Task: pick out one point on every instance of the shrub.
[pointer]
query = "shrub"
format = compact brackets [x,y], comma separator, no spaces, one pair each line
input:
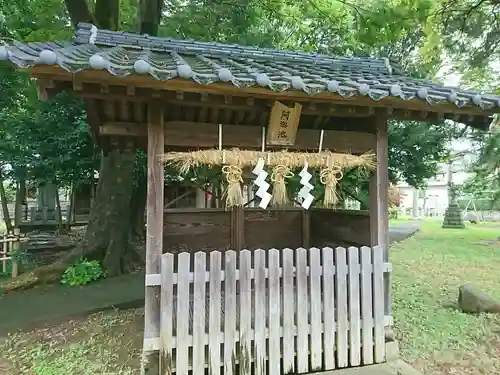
[24,261]
[393,213]
[83,272]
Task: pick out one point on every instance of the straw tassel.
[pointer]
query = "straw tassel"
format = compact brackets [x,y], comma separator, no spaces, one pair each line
[330,165]
[280,172]
[234,194]
[330,177]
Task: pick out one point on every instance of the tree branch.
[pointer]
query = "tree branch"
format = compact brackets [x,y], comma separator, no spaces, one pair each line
[79,11]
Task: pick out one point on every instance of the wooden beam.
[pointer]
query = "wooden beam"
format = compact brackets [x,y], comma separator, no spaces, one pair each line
[379,184]
[306,229]
[323,109]
[379,206]
[180,84]
[154,224]
[220,102]
[206,135]
[237,228]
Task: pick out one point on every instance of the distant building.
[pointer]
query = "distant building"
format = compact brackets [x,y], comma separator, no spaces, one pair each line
[433,199]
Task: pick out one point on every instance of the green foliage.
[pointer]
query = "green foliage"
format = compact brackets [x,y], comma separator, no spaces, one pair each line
[325,26]
[50,142]
[10,191]
[34,20]
[469,29]
[393,213]
[415,150]
[83,272]
[485,182]
[52,361]
[41,141]
[54,140]
[479,204]
[24,261]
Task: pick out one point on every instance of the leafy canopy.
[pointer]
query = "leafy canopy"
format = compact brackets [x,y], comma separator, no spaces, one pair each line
[55,145]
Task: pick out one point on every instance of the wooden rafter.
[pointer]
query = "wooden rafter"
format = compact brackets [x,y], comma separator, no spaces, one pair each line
[205,135]
[417,109]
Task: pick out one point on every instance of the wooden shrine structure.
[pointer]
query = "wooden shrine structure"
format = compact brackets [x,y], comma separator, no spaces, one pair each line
[169,95]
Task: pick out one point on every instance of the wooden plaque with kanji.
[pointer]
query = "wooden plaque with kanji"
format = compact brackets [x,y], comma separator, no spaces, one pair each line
[283,124]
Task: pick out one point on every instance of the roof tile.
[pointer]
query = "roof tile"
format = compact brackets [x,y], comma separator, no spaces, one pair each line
[123,54]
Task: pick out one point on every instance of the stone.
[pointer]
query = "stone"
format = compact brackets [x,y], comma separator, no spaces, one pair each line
[391,351]
[453,217]
[474,301]
[389,334]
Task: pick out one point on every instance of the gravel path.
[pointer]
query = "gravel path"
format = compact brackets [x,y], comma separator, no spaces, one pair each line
[401,231]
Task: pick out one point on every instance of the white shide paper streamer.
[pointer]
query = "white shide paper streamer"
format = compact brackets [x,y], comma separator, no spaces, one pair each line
[263,185]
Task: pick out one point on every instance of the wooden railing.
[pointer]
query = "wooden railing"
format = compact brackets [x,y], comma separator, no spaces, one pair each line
[274,312]
[45,217]
[9,245]
[31,215]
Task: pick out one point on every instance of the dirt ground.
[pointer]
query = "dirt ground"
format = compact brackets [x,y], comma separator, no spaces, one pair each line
[434,338]
[103,344]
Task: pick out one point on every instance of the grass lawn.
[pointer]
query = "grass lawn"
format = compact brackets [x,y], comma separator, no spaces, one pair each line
[428,269]
[434,337]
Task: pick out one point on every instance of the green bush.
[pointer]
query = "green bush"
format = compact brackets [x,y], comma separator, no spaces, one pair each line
[24,261]
[393,213]
[83,272]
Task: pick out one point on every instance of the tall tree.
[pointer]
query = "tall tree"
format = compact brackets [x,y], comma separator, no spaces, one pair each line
[485,183]
[108,231]
[469,29]
[390,27]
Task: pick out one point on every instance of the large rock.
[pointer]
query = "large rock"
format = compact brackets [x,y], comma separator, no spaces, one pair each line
[473,300]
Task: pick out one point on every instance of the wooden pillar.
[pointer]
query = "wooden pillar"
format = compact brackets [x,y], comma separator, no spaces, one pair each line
[200,198]
[251,194]
[14,253]
[379,207]
[306,229]
[237,228]
[154,239]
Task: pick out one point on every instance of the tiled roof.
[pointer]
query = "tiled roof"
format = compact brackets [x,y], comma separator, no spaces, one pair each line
[122,54]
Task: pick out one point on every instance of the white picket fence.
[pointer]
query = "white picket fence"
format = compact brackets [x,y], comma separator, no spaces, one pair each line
[272,312]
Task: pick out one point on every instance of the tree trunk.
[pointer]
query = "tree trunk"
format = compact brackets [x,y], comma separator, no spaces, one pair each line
[59,212]
[5,207]
[79,11]
[107,237]
[107,233]
[138,208]
[20,201]
[150,15]
[107,14]
[70,216]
